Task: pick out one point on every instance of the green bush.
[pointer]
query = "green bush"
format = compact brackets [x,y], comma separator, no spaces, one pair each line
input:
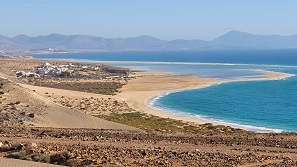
[60,159]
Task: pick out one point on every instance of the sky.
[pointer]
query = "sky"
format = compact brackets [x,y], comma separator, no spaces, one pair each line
[164,19]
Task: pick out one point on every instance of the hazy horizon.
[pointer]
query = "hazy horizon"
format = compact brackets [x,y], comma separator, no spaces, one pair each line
[148,35]
[192,19]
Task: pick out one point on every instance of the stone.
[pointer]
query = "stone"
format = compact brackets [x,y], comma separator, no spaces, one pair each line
[82,106]
[31,115]
[33,144]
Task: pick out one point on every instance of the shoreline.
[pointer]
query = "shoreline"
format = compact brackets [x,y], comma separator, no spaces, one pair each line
[188,117]
[150,85]
[159,62]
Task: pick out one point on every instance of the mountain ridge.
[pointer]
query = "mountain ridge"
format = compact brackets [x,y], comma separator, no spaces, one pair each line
[230,40]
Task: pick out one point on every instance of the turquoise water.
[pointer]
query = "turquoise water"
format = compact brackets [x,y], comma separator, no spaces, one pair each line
[240,104]
[254,105]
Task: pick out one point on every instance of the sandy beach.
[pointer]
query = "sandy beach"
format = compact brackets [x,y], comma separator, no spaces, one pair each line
[149,85]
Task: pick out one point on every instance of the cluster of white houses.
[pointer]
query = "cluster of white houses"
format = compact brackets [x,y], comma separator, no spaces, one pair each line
[24,74]
[77,71]
[45,69]
[57,70]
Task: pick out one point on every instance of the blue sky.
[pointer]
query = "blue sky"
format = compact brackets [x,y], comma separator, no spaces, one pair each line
[165,19]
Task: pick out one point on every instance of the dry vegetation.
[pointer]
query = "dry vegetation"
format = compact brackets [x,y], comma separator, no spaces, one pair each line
[107,80]
[16,107]
[150,122]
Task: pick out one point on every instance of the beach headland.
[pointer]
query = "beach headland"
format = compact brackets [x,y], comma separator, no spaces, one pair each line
[148,86]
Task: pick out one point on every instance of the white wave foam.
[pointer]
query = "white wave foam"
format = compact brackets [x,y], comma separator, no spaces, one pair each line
[286,77]
[185,63]
[154,99]
[260,129]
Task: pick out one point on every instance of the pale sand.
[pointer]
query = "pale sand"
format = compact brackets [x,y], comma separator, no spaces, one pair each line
[9,162]
[146,86]
[60,117]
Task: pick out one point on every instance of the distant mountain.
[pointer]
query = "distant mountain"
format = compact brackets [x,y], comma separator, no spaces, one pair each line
[242,40]
[7,44]
[231,40]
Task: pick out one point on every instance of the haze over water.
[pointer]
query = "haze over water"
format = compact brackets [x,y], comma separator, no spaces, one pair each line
[256,105]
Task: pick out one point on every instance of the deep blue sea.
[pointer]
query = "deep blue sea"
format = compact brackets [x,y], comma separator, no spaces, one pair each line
[253,105]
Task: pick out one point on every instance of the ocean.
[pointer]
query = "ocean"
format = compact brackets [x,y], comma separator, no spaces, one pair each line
[254,105]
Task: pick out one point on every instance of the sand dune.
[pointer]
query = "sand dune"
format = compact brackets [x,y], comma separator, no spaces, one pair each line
[49,114]
[8,162]
[62,117]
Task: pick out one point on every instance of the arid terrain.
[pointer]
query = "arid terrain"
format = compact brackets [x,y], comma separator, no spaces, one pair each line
[79,147]
[73,128]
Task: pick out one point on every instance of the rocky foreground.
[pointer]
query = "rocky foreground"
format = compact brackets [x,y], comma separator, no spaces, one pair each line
[86,147]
